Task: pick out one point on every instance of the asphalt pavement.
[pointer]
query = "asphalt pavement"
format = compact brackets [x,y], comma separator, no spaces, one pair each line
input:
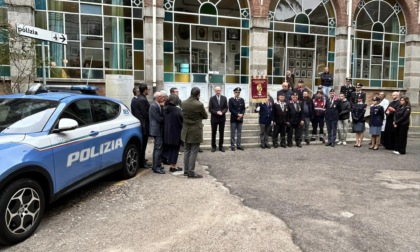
[154,212]
[333,199]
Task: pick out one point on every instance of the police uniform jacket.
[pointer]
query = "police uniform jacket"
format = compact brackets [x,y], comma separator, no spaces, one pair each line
[331,110]
[295,114]
[214,107]
[356,95]
[236,106]
[347,91]
[281,113]
[376,115]
[358,112]
[266,112]
[402,115]
[345,109]
[193,113]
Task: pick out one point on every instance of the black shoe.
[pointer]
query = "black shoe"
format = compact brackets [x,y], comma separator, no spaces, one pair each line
[240,148]
[262,146]
[195,175]
[299,145]
[222,149]
[275,146]
[232,148]
[322,140]
[200,150]
[289,145]
[333,145]
[165,161]
[267,146]
[313,138]
[307,142]
[213,149]
[158,171]
[146,166]
[185,174]
[327,144]
[175,169]
[283,145]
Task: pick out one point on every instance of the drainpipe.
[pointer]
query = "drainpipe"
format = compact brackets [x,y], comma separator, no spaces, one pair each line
[154,46]
[349,24]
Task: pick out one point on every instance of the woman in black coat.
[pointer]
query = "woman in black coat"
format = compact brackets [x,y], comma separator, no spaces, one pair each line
[358,116]
[172,131]
[401,124]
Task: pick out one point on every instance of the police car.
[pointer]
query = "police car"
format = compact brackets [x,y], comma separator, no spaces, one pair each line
[54,142]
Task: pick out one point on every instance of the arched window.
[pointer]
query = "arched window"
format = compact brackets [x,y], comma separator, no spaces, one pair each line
[301,39]
[378,56]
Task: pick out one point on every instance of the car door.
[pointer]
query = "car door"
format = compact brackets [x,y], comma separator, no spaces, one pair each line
[106,115]
[76,152]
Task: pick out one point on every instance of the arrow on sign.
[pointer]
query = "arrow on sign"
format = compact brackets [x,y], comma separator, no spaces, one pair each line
[62,38]
[55,36]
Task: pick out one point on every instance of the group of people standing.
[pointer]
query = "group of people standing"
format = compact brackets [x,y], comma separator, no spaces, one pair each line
[294,110]
[170,126]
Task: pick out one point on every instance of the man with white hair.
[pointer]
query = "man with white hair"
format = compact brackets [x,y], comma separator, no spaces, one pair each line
[156,130]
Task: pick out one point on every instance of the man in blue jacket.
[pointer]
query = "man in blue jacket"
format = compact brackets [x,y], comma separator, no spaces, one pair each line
[265,110]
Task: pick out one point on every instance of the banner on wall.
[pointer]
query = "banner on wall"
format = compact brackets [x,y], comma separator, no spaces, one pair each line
[259,89]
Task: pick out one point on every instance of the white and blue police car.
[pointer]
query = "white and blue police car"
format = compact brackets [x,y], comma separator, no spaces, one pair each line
[54,142]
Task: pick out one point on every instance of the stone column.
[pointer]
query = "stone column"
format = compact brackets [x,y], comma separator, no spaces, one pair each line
[411,68]
[340,62]
[148,46]
[258,49]
[258,45]
[22,69]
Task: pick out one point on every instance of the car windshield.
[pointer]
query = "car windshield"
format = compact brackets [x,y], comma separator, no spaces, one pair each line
[23,115]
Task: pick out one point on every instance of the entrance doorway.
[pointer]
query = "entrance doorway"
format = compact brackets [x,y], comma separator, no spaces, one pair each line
[301,63]
[208,65]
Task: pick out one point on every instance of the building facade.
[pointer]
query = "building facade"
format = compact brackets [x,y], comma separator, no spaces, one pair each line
[185,43]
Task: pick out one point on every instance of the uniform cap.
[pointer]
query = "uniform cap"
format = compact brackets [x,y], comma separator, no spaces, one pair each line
[359,85]
[376,98]
[348,79]
[332,90]
[238,89]
[300,81]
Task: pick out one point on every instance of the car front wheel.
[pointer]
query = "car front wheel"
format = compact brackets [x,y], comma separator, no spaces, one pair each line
[22,205]
[130,161]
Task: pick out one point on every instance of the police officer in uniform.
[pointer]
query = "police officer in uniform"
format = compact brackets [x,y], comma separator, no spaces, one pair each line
[357,94]
[237,112]
[347,89]
[331,118]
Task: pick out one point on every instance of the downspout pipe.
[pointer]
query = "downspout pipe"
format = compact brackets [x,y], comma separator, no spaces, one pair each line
[349,25]
[154,45]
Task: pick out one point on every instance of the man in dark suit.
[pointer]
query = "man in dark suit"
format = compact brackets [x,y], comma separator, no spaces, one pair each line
[296,121]
[140,109]
[285,91]
[156,131]
[347,89]
[331,118]
[265,110]
[218,107]
[300,89]
[192,131]
[280,120]
[237,111]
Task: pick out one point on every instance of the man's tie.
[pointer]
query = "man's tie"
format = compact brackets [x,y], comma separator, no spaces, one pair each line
[218,100]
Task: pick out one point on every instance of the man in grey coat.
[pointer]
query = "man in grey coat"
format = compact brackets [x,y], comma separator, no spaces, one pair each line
[192,130]
[156,130]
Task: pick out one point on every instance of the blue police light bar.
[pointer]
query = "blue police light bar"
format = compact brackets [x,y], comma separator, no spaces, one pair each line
[84,87]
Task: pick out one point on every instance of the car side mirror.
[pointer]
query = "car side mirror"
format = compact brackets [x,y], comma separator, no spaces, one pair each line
[66,124]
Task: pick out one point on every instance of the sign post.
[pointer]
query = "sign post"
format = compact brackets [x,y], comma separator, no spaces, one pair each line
[43,35]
